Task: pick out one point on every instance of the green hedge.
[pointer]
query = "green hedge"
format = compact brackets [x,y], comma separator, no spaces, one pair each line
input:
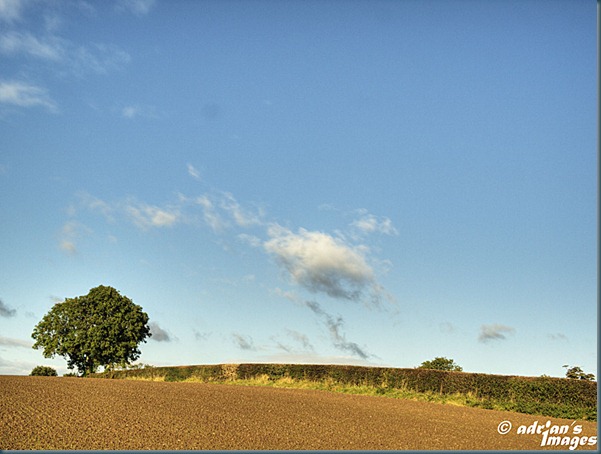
[548,396]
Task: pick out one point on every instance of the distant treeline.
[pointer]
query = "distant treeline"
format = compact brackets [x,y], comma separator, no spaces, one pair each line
[548,396]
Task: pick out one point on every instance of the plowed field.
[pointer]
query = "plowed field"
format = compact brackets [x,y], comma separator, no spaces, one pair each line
[70,413]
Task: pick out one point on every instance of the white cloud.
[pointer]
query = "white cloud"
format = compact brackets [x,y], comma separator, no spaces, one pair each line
[23,94]
[145,216]
[368,223]
[321,263]
[494,332]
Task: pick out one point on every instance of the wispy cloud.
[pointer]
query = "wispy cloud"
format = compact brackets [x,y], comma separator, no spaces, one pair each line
[321,263]
[62,55]
[146,216]
[201,336]
[241,216]
[6,311]
[68,246]
[137,7]
[77,59]
[251,240]
[9,342]
[15,367]
[13,43]
[210,215]
[369,223]
[95,204]
[10,10]
[301,341]
[139,111]
[96,58]
[193,171]
[446,327]
[300,338]
[220,211]
[24,94]
[334,326]
[557,337]
[243,342]
[70,232]
[158,333]
[494,332]
[129,111]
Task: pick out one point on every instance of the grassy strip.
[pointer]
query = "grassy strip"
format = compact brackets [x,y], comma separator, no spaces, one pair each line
[366,390]
[341,379]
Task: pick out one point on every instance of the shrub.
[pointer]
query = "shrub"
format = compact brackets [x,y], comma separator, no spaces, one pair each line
[44,371]
[441,363]
[578,374]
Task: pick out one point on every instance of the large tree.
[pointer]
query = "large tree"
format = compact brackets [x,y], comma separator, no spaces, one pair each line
[102,328]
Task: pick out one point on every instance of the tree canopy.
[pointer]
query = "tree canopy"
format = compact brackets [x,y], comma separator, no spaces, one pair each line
[102,328]
[441,363]
[44,371]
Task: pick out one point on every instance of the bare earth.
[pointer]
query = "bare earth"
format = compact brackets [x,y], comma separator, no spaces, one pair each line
[70,413]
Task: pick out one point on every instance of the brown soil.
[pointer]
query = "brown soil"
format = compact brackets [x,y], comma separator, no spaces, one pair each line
[85,414]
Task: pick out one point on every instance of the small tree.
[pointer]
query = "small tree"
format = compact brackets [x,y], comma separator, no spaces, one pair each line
[43,371]
[441,363]
[102,328]
[577,373]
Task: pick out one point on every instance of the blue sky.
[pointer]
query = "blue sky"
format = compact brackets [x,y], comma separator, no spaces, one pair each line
[359,182]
